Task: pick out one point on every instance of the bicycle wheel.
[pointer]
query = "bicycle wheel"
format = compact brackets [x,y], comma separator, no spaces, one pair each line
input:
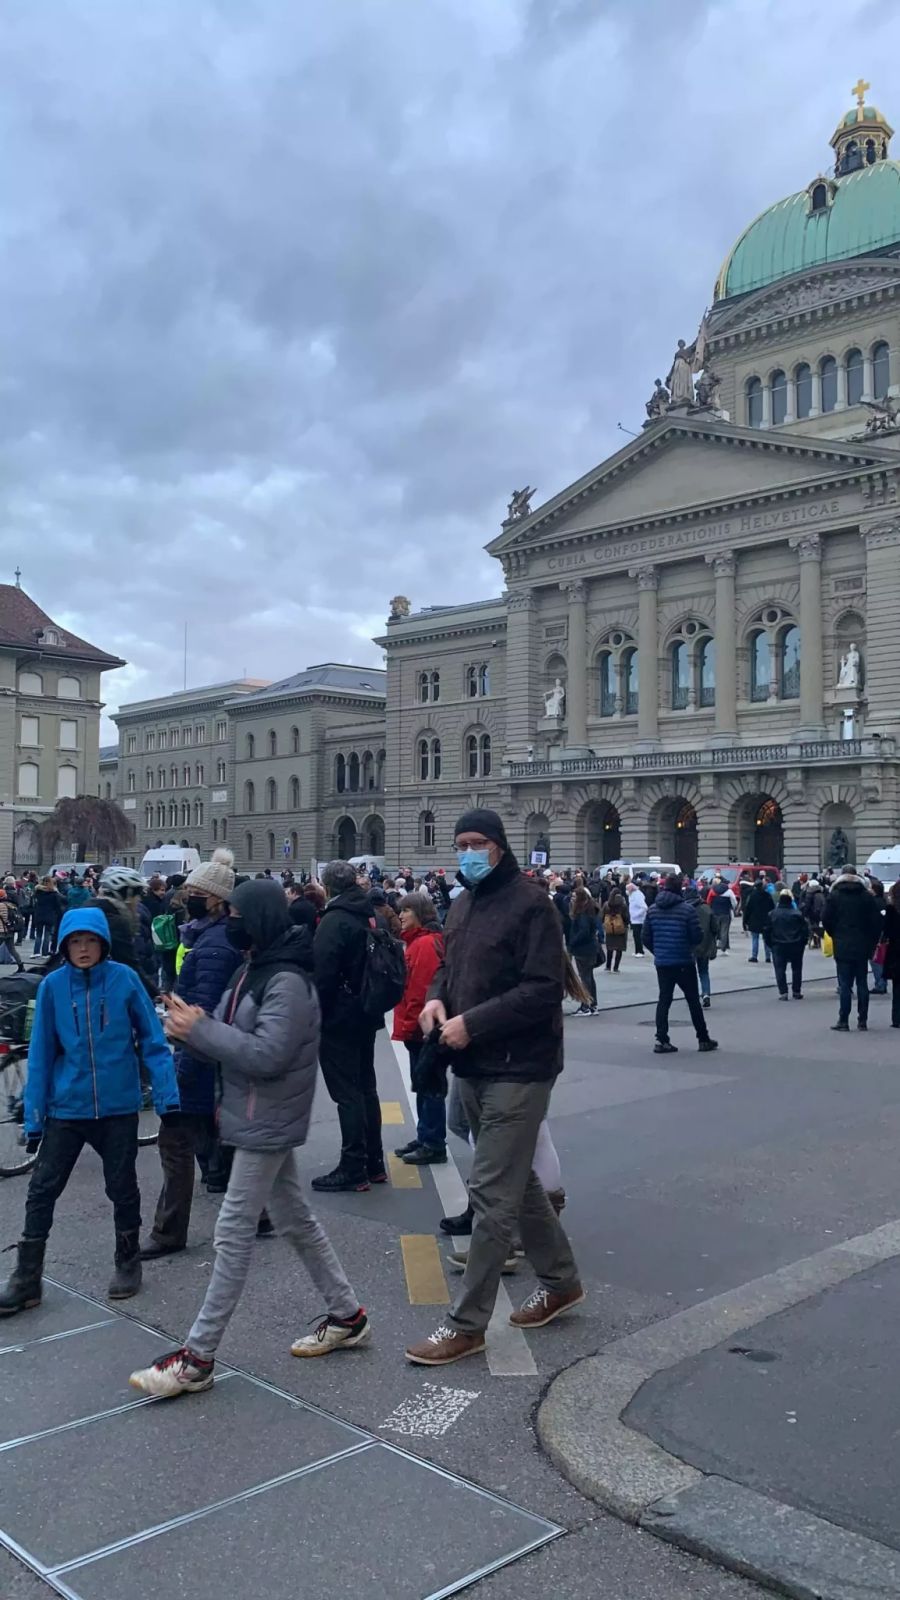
[13,1072]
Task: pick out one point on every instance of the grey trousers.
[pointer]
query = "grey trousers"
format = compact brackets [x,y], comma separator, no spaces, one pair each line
[505,1118]
[261,1179]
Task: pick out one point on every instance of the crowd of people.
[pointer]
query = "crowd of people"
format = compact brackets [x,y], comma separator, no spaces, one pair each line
[221,996]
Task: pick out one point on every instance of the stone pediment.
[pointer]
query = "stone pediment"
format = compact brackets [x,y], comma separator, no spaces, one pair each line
[808,291]
[683,466]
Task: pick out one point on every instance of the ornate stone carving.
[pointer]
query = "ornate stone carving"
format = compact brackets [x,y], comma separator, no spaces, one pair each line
[520,600]
[879,534]
[883,416]
[520,505]
[575,591]
[827,288]
[724,565]
[879,489]
[645,577]
[808,546]
[555,700]
[658,404]
[399,607]
[849,674]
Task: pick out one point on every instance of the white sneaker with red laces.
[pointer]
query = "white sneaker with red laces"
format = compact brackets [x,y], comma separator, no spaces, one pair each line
[180,1372]
[334,1333]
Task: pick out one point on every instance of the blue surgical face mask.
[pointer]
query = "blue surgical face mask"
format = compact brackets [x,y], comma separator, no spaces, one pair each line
[475,865]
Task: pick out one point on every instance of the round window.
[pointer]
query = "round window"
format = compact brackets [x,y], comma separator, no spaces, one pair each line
[618,638]
[771,615]
[690,628]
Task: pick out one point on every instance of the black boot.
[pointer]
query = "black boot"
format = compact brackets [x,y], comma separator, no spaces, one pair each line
[23,1286]
[459,1225]
[126,1280]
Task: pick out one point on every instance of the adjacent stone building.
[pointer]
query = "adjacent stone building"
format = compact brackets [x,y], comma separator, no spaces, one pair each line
[696,655]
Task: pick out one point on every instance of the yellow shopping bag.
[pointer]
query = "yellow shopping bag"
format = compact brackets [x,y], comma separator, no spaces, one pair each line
[828,944]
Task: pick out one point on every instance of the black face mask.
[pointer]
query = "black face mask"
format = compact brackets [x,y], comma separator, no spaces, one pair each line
[196,906]
[237,934]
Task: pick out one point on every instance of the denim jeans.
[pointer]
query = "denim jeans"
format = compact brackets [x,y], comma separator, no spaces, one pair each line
[260,1178]
[754,947]
[431,1110]
[703,975]
[848,973]
[115,1141]
[44,938]
[879,981]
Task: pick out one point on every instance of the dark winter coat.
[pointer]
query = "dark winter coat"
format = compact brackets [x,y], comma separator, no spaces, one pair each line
[339,950]
[757,909]
[205,971]
[504,973]
[787,929]
[890,930]
[708,948]
[853,918]
[46,910]
[302,913]
[145,951]
[265,1032]
[720,904]
[672,930]
[616,906]
[582,939]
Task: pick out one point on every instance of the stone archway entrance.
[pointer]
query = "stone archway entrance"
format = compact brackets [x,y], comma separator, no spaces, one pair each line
[673,833]
[372,837]
[537,836]
[598,834]
[760,831]
[345,838]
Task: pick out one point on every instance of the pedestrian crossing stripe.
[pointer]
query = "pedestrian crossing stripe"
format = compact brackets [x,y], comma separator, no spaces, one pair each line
[403,1176]
[392,1114]
[425,1281]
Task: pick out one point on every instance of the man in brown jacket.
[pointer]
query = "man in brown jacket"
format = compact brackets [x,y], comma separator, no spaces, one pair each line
[497,1000]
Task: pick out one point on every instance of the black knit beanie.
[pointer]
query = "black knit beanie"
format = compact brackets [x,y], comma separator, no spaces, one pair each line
[485,822]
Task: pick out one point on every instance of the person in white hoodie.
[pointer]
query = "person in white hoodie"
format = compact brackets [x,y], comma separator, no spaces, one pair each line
[637,915]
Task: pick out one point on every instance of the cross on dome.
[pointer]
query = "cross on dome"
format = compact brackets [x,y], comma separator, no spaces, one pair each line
[859,89]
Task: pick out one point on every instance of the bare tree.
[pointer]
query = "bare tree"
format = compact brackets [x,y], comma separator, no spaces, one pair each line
[94,825]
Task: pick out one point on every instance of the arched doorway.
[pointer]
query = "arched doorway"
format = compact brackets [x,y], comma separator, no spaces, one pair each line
[537,837]
[837,835]
[673,832]
[761,831]
[372,837]
[345,838]
[26,843]
[598,834]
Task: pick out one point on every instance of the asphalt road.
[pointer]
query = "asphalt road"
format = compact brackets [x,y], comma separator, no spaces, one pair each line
[685,1177]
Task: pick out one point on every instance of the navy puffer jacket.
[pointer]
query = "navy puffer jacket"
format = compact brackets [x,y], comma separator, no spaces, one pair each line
[204,975]
[672,930]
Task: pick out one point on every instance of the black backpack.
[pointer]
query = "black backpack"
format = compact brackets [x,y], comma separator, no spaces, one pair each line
[383,974]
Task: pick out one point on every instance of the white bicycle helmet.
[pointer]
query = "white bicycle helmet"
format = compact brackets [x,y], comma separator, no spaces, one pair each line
[121,882]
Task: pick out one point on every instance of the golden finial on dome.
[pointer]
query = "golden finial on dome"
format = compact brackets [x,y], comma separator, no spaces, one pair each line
[859,89]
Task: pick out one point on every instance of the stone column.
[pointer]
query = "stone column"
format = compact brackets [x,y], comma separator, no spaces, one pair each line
[881,658]
[809,551]
[868,378]
[790,414]
[766,405]
[648,656]
[815,409]
[724,567]
[841,402]
[521,686]
[576,662]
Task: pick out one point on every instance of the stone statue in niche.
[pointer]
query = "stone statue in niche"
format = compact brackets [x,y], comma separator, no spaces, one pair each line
[850,668]
[555,700]
[838,849]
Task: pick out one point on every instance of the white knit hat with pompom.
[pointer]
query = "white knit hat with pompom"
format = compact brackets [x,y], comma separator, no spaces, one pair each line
[215,876]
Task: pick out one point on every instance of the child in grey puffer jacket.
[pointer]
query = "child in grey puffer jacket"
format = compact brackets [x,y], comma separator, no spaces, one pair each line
[265,1038]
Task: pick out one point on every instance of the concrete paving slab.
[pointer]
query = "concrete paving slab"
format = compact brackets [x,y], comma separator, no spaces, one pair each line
[37,1389]
[59,1313]
[792,1552]
[377,1521]
[147,1465]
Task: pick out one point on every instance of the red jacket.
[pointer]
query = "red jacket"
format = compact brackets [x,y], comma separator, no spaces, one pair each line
[424,953]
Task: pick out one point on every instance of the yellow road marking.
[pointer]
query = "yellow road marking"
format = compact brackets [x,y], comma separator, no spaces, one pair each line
[425,1281]
[392,1114]
[402,1176]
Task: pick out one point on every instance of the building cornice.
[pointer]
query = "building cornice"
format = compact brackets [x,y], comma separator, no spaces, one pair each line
[310,697]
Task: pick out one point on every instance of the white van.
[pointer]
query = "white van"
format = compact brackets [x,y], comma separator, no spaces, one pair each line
[169,858]
[663,869]
[885,864]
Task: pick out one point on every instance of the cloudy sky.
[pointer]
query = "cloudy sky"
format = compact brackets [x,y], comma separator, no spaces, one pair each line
[294,294]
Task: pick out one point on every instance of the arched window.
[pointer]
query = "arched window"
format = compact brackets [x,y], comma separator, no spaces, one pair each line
[789,663]
[215,829]
[273,742]
[248,846]
[423,688]
[340,774]
[173,813]
[379,769]
[681,680]
[630,681]
[186,776]
[803,389]
[173,777]
[820,197]
[198,813]
[249,796]
[295,794]
[270,845]
[779,384]
[148,778]
[295,845]
[295,741]
[472,755]
[881,371]
[607,684]
[484,679]
[828,377]
[271,795]
[485,749]
[435,758]
[132,782]
[478,680]
[427,831]
[28,782]
[707,672]
[185,813]
[224,829]
[353,773]
[200,775]
[148,814]
[161,775]
[368,770]
[424,759]
[760,665]
[754,402]
[31,683]
[160,814]
[854,377]
[68,688]
[250,746]
[435,686]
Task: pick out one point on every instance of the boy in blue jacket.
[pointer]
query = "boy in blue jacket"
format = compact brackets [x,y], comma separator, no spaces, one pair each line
[93,1027]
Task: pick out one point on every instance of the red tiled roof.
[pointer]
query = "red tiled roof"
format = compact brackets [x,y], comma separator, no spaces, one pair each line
[21,620]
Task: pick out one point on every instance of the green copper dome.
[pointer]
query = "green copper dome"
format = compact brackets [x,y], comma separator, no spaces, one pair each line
[863,215]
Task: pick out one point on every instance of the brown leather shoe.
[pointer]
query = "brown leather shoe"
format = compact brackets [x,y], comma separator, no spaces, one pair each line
[443,1346]
[542,1306]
